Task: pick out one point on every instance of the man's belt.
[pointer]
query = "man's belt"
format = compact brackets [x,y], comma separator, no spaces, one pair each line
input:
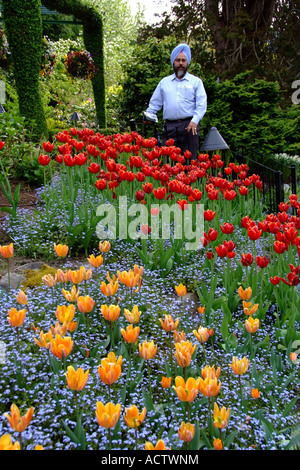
[179,120]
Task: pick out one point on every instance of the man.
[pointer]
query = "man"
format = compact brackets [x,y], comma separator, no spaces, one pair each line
[184,101]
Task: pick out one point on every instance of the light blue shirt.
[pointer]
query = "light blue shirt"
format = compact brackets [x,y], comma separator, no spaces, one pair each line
[180,98]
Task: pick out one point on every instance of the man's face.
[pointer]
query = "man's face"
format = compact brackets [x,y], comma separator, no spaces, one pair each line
[180,65]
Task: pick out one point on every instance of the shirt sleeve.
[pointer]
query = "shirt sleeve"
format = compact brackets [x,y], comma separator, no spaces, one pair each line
[201,103]
[156,101]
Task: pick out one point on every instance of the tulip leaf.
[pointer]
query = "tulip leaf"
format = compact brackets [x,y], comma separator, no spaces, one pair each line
[148,403]
[195,442]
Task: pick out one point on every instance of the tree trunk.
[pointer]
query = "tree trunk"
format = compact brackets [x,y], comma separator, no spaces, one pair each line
[238,30]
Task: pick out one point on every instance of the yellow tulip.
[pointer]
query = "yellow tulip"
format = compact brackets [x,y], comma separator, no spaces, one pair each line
[147,350]
[44,340]
[110,312]
[133,418]
[202,334]
[49,280]
[65,313]
[179,336]
[110,288]
[186,390]
[248,308]
[6,443]
[221,416]
[110,369]
[21,298]
[160,445]
[181,290]
[132,316]
[184,352]
[252,325]
[76,379]
[239,366]
[16,317]
[210,372]
[186,432]
[105,246]
[71,296]
[209,387]
[107,415]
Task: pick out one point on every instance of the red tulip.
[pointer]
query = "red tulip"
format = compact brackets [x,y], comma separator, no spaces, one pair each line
[262,261]
[209,215]
[101,184]
[159,193]
[227,228]
[247,259]
[44,160]
[254,233]
[94,168]
[222,251]
[48,147]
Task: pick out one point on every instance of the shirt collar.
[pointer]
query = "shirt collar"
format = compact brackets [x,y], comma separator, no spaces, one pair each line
[186,77]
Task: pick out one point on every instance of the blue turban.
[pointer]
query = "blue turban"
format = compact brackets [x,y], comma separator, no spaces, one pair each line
[181,48]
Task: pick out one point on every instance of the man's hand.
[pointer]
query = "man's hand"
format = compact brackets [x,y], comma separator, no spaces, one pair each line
[192,127]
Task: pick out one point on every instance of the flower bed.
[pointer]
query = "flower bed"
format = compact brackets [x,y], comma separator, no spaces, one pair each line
[214,370]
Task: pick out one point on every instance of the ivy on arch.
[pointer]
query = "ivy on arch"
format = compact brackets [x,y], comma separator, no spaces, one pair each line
[23,27]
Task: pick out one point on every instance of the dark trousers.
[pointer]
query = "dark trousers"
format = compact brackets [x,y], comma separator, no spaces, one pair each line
[176,130]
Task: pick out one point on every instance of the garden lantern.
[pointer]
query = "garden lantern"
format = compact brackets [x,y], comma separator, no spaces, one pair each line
[213,141]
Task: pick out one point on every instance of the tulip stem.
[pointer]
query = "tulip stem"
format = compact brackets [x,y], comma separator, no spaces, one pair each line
[109,439]
[148,366]
[8,272]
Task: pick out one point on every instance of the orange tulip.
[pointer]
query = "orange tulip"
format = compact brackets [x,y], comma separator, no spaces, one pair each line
[77,276]
[16,317]
[110,288]
[184,352]
[65,313]
[49,280]
[95,261]
[209,387]
[160,445]
[110,369]
[16,421]
[217,443]
[6,443]
[85,304]
[255,393]
[21,298]
[71,296]
[133,418]
[105,246]
[248,308]
[293,356]
[179,336]
[210,372]
[7,251]
[138,270]
[181,290]
[186,432]
[245,294]
[131,334]
[44,340]
[107,415]
[132,316]
[76,379]
[252,325]
[202,334]
[239,366]
[61,250]
[201,309]
[130,279]
[59,329]
[110,312]
[168,323]
[62,276]
[221,416]
[166,382]
[61,346]
[186,390]
[147,350]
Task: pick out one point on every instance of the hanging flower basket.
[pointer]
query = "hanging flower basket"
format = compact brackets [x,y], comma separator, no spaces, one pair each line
[4,50]
[79,64]
[48,57]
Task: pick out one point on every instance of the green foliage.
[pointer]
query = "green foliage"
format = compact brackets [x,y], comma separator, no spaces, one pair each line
[23,21]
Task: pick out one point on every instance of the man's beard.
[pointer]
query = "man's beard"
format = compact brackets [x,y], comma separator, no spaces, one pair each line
[180,72]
